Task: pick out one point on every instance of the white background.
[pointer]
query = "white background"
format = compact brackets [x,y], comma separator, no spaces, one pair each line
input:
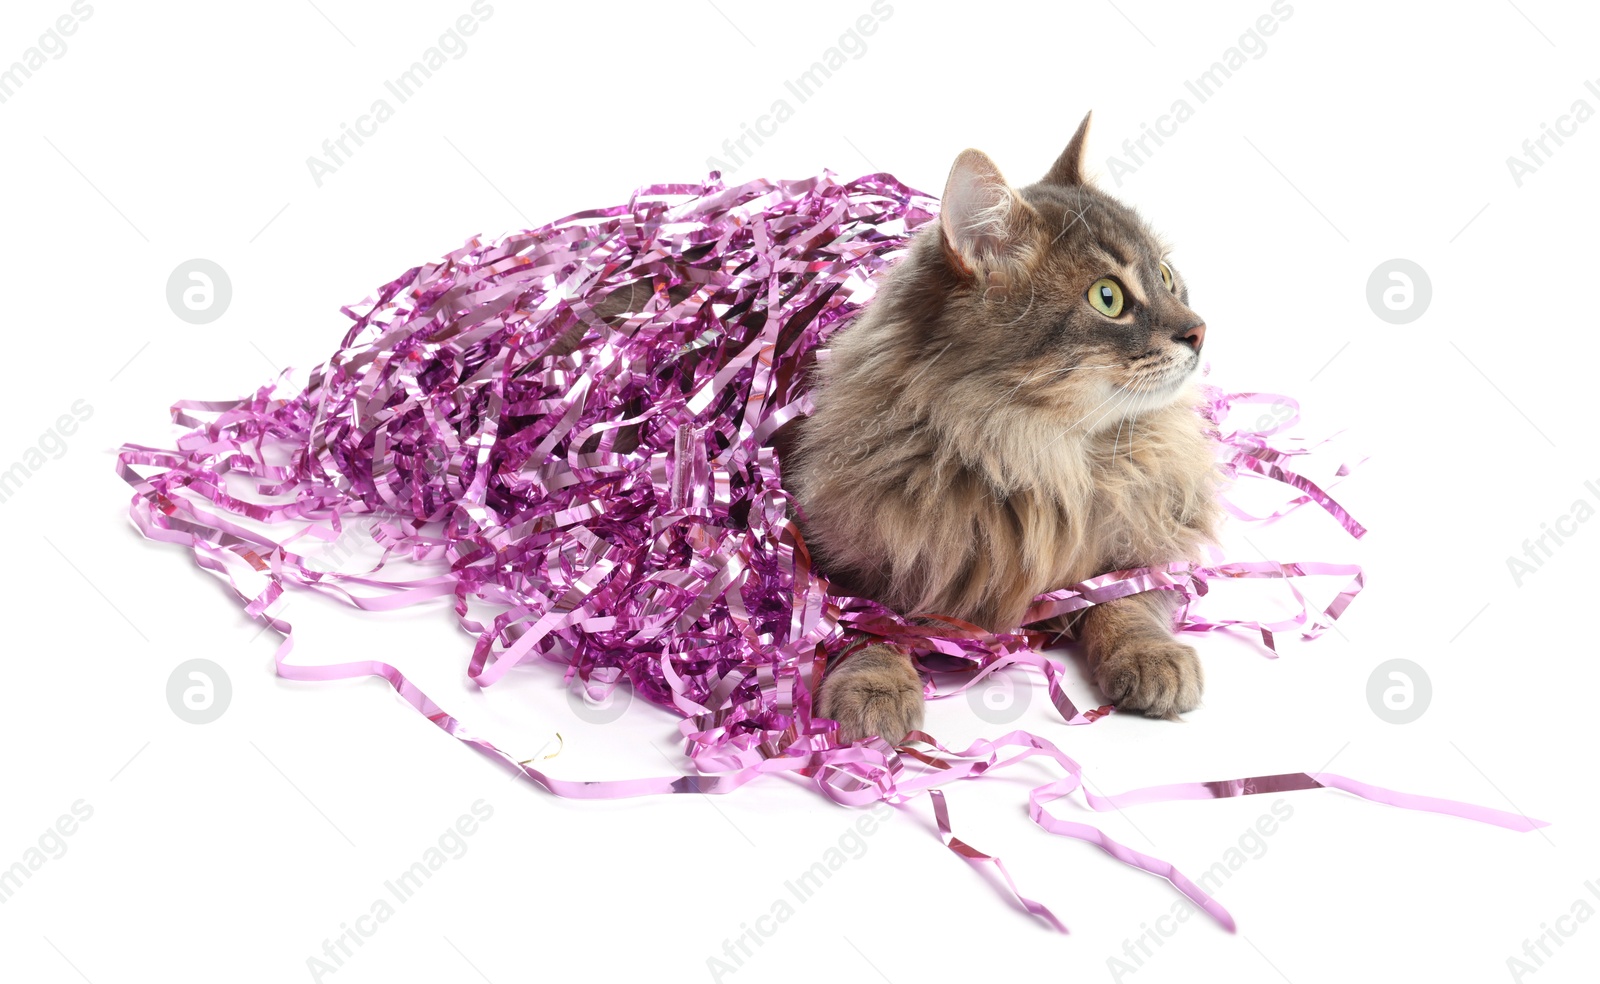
[1366,131]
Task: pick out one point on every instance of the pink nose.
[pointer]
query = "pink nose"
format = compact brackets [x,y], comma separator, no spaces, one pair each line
[1194,337]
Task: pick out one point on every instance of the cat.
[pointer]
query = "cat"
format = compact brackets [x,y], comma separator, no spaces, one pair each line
[1011,414]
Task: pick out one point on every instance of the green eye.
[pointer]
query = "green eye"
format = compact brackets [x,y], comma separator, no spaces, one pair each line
[1105,296]
[1166,278]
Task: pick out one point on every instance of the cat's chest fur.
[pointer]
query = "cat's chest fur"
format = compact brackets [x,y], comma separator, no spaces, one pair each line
[1154,490]
[1137,494]
[977,529]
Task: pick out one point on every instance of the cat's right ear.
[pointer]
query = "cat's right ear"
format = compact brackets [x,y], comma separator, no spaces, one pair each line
[1068,168]
[986,225]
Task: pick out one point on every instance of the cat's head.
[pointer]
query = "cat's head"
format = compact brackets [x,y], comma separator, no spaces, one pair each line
[1055,293]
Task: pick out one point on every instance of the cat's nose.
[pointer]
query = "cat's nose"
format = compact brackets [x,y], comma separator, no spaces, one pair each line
[1192,337]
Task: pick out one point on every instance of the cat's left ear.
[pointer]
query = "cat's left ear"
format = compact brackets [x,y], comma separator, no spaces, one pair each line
[1068,168]
[986,225]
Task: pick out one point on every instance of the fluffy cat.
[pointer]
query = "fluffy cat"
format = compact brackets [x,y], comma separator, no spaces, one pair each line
[1013,413]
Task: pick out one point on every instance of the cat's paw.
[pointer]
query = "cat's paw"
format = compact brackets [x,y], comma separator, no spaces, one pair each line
[874,692]
[1160,677]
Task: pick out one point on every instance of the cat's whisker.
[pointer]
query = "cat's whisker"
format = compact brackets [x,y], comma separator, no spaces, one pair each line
[1062,372]
[1122,418]
[1126,416]
[1081,419]
[1051,373]
[1133,428]
[1122,409]
[1066,369]
[1117,437]
[1011,392]
[1133,424]
[1117,365]
[1068,429]
[1117,408]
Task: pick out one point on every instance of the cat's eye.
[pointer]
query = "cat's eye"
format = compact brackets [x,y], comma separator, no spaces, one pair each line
[1105,296]
[1166,278]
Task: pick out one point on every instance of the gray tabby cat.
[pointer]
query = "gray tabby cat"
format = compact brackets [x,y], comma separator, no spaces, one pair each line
[1013,413]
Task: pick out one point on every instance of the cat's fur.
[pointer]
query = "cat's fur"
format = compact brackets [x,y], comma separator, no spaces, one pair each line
[983,434]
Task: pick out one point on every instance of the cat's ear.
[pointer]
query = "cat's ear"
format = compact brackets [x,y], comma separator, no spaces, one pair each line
[1068,168]
[985,223]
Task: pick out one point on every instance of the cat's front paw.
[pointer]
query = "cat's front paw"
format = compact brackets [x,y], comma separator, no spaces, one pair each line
[1161,677]
[874,692]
